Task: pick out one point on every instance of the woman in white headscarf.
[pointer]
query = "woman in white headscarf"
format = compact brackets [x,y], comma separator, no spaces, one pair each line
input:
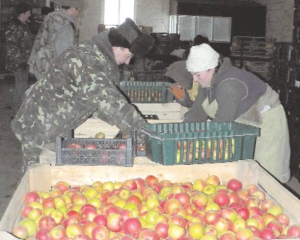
[229,94]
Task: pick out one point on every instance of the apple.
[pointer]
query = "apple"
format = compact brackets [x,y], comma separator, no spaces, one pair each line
[48,202]
[62,185]
[30,225]
[196,230]
[221,225]
[46,222]
[209,237]
[121,146]
[31,197]
[209,189]
[268,217]
[260,194]
[176,232]
[293,231]
[34,213]
[227,235]
[109,186]
[171,205]
[283,218]
[134,199]
[99,135]
[178,220]
[132,226]
[229,214]
[212,206]
[25,211]
[242,193]
[90,146]
[251,188]
[42,234]
[252,202]
[114,222]
[74,229]
[150,179]
[255,211]
[130,184]
[20,232]
[211,216]
[161,228]
[265,204]
[100,232]
[213,179]
[233,197]
[59,202]
[275,225]
[255,230]
[80,237]
[244,233]
[199,184]
[275,210]
[57,233]
[260,220]
[222,199]
[57,215]
[234,184]
[267,233]
[243,212]
[200,200]
[237,225]
[74,145]
[148,234]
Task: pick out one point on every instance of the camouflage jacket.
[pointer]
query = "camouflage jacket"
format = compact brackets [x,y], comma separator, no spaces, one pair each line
[81,81]
[56,34]
[18,44]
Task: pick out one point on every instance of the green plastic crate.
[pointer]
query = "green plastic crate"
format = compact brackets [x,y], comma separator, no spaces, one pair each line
[196,143]
[147,92]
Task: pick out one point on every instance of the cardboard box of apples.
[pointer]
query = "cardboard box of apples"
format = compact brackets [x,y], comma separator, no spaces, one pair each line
[236,200]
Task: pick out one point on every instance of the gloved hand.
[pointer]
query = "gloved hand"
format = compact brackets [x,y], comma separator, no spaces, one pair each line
[177,91]
[23,65]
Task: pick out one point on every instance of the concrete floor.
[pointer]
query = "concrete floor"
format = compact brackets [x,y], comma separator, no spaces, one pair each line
[10,151]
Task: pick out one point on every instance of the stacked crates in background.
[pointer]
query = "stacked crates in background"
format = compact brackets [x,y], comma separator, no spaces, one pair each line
[255,54]
[286,81]
[166,42]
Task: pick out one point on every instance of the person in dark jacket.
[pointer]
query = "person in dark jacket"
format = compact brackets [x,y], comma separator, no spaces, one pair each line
[229,94]
[19,42]
[81,81]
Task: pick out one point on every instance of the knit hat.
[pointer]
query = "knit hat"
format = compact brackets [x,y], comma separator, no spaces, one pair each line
[177,71]
[22,8]
[202,57]
[73,3]
[139,43]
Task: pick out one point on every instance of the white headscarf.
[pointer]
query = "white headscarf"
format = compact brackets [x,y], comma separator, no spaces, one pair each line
[202,57]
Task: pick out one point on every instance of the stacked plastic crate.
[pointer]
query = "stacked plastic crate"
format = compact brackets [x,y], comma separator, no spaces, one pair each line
[255,54]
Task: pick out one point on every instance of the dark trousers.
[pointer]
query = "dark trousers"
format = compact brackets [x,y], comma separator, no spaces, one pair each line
[21,85]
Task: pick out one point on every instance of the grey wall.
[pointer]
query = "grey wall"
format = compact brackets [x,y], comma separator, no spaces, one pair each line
[155,13]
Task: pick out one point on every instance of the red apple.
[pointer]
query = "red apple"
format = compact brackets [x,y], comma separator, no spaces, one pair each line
[70,220]
[148,234]
[91,146]
[275,225]
[283,218]
[243,212]
[25,211]
[267,233]
[234,184]
[161,229]
[62,185]
[293,231]
[211,216]
[42,234]
[121,146]
[171,205]
[222,199]
[31,197]
[74,145]
[46,222]
[130,184]
[150,180]
[132,226]
[101,219]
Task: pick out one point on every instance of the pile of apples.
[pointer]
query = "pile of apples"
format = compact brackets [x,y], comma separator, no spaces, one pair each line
[151,209]
[191,150]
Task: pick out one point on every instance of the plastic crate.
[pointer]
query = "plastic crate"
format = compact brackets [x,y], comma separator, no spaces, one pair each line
[108,151]
[197,143]
[150,76]
[147,92]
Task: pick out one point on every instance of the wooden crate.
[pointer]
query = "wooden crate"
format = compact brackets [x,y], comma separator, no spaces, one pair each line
[43,176]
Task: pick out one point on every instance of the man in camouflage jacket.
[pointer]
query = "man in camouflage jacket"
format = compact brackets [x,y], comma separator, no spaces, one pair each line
[81,81]
[56,34]
[18,46]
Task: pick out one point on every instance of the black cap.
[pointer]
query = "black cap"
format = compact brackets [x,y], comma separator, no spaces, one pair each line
[22,8]
[117,40]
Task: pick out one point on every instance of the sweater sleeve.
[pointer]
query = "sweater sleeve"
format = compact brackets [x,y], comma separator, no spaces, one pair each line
[229,95]
[196,113]
[186,101]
